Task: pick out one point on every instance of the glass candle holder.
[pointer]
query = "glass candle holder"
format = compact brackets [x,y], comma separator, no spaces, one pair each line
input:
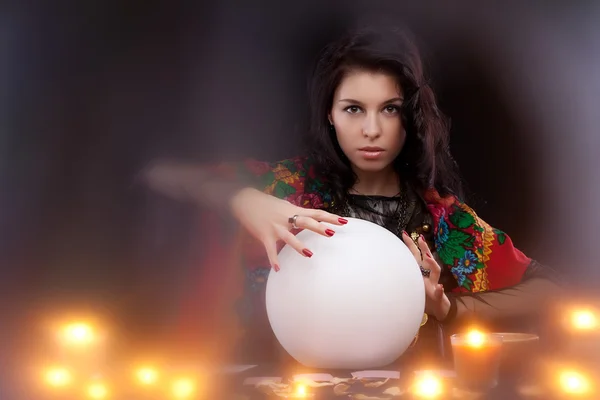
[476,359]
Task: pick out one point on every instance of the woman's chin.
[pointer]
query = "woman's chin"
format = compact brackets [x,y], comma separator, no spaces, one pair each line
[372,166]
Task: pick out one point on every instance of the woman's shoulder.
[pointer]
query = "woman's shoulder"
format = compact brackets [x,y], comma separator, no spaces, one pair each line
[449,208]
[480,256]
[293,179]
[433,197]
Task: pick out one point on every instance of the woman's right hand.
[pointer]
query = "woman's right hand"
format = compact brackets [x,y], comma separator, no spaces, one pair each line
[267,218]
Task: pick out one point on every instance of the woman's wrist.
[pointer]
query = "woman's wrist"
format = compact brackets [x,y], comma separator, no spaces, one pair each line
[448,310]
[443,309]
[238,198]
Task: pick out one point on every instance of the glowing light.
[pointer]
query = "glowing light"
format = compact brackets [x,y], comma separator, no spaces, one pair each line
[584,320]
[428,386]
[97,391]
[475,338]
[78,333]
[58,377]
[183,388]
[300,391]
[574,383]
[147,376]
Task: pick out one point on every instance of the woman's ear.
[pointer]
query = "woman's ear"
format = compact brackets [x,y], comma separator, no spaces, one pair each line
[330,119]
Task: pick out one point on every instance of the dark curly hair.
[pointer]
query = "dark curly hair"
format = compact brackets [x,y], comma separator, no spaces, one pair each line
[425,161]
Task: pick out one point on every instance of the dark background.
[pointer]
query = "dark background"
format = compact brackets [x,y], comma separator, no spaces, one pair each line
[91,93]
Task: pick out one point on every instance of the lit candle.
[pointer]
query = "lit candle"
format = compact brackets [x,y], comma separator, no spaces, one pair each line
[583,326]
[184,388]
[82,345]
[300,392]
[97,391]
[58,377]
[477,359]
[428,386]
[78,334]
[584,320]
[574,384]
[146,376]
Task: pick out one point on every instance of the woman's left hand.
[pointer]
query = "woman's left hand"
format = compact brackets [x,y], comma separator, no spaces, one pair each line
[436,301]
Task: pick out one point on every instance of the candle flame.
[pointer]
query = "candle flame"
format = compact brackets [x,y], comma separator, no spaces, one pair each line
[97,391]
[584,320]
[428,387]
[300,391]
[573,382]
[475,338]
[58,377]
[147,376]
[183,388]
[78,333]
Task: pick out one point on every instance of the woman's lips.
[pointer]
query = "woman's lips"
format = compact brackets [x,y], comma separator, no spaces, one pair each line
[371,153]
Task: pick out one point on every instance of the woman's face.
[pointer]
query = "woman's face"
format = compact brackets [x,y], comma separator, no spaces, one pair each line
[366,116]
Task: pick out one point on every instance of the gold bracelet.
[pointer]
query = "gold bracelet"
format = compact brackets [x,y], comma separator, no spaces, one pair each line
[423,322]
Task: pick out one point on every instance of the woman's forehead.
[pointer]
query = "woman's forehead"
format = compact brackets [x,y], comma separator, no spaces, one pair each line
[368,86]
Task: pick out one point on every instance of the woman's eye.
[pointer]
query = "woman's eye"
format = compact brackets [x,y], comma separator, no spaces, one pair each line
[352,109]
[391,109]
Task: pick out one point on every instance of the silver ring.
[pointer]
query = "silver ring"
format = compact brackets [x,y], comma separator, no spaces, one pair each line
[292,221]
[425,272]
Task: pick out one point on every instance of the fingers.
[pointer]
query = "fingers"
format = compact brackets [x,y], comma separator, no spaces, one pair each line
[428,260]
[423,255]
[312,225]
[412,247]
[424,247]
[433,292]
[291,239]
[439,292]
[271,248]
[324,216]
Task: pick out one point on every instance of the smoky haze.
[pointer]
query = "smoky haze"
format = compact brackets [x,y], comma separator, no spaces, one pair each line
[90,96]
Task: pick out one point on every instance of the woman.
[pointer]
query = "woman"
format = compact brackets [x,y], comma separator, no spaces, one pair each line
[378,151]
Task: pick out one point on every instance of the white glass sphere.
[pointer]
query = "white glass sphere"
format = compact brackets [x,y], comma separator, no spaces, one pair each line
[356,304]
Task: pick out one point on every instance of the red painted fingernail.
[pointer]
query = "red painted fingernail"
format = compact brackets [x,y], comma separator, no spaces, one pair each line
[276,267]
[428,255]
[307,253]
[343,221]
[422,237]
[329,232]
[405,233]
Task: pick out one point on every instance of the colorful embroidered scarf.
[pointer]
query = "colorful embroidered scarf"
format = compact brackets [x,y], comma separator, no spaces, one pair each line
[480,257]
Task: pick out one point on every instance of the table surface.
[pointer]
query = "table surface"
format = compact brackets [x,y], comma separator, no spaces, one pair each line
[242,379]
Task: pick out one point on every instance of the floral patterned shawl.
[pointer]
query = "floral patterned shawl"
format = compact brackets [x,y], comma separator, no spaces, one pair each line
[480,257]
